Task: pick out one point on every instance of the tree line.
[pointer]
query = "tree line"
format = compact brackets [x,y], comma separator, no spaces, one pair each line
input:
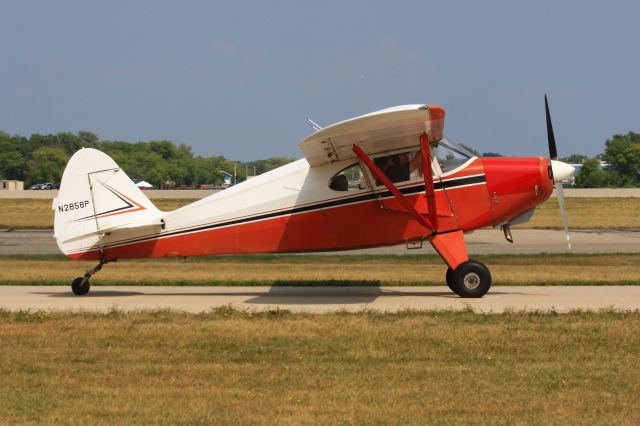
[42,158]
[618,167]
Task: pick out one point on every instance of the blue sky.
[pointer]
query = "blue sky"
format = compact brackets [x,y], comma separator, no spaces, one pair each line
[239,78]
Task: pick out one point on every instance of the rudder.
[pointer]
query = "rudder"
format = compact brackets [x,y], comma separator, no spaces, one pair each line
[97,197]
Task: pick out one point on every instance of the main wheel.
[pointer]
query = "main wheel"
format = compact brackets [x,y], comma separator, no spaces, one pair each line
[449,278]
[79,288]
[471,279]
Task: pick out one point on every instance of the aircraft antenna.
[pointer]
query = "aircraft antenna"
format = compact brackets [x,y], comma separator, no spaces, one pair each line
[315,125]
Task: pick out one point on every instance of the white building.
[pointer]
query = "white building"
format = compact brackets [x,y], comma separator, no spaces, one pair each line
[11,185]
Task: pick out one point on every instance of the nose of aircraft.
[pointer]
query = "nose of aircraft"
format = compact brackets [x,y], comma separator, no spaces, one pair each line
[561,170]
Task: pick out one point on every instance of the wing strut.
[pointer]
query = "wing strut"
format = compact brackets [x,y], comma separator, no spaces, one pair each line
[430,192]
[392,188]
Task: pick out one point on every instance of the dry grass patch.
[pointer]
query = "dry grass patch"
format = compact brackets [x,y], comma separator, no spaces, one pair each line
[588,213]
[325,270]
[170,204]
[26,213]
[618,213]
[408,368]
[36,213]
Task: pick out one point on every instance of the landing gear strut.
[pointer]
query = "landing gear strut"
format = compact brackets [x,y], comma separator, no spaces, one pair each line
[469,279]
[80,286]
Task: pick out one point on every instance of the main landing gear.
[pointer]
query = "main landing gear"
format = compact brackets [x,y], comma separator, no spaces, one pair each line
[469,279]
[80,286]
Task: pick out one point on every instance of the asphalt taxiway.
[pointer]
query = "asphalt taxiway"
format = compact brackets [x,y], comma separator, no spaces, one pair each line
[483,241]
[320,299]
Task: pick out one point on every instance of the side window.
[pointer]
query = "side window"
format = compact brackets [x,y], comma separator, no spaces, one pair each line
[400,167]
[348,179]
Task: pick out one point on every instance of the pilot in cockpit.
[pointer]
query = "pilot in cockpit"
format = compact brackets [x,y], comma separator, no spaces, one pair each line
[400,167]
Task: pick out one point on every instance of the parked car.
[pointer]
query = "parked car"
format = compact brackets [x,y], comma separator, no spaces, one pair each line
[46,185]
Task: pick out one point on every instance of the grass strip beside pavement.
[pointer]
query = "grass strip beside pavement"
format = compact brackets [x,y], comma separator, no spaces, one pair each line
[587,213]
[325,270]
[230,367]
[584,213]
[35,213]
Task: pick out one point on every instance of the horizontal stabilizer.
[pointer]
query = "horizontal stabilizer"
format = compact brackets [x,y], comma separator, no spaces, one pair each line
[125,227]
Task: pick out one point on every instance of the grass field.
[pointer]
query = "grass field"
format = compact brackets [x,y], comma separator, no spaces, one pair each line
[228,367]
[231,367]
[38,214]
[619,213]
[595,213]
[309,270]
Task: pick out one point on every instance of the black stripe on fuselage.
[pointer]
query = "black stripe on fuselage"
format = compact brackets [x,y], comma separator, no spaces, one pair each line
[414,189]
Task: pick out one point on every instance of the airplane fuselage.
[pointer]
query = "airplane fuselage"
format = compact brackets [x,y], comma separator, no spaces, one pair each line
[293,209]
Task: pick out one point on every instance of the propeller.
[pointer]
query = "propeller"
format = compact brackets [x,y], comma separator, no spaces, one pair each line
[560,171]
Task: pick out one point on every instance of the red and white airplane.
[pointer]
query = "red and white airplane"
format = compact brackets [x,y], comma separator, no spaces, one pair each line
[385,178]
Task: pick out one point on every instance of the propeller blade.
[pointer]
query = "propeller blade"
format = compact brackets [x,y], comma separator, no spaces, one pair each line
[563,212]
[553,152]
[561,169]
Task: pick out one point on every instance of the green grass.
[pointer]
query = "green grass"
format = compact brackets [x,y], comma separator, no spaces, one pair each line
[231,367]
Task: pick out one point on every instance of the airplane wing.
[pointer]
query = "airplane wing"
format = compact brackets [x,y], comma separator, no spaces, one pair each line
[381,131]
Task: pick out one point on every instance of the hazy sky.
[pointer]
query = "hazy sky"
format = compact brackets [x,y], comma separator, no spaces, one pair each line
[239,78]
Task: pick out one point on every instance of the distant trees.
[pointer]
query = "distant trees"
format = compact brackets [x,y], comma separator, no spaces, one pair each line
[622,157]
[591,175]
[477,153]
[42,158]
[622,152]
[262,166]
[470,149]
[12,164]
[574,158]
[46,165]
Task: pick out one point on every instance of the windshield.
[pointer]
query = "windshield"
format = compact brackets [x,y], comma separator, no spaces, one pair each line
[450,155]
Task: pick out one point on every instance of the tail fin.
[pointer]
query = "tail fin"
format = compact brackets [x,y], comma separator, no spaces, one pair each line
[96,197]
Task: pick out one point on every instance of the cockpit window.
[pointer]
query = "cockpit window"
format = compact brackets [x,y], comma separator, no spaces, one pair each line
[400,167]
[450,155]
[348,179]
[407,166]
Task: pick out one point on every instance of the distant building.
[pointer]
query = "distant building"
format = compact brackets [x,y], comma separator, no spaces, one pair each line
[11,185]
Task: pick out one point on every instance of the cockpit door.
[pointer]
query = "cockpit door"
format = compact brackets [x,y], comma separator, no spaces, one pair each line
[426,196]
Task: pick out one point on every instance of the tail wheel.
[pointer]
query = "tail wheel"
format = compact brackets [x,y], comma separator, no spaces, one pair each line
[470,279]
[80,286]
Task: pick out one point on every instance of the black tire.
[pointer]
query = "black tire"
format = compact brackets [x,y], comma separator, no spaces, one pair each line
[449,278]
[78,288]
[471,279]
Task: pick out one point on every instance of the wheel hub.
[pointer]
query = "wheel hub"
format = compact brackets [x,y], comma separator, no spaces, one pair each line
[471,280]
